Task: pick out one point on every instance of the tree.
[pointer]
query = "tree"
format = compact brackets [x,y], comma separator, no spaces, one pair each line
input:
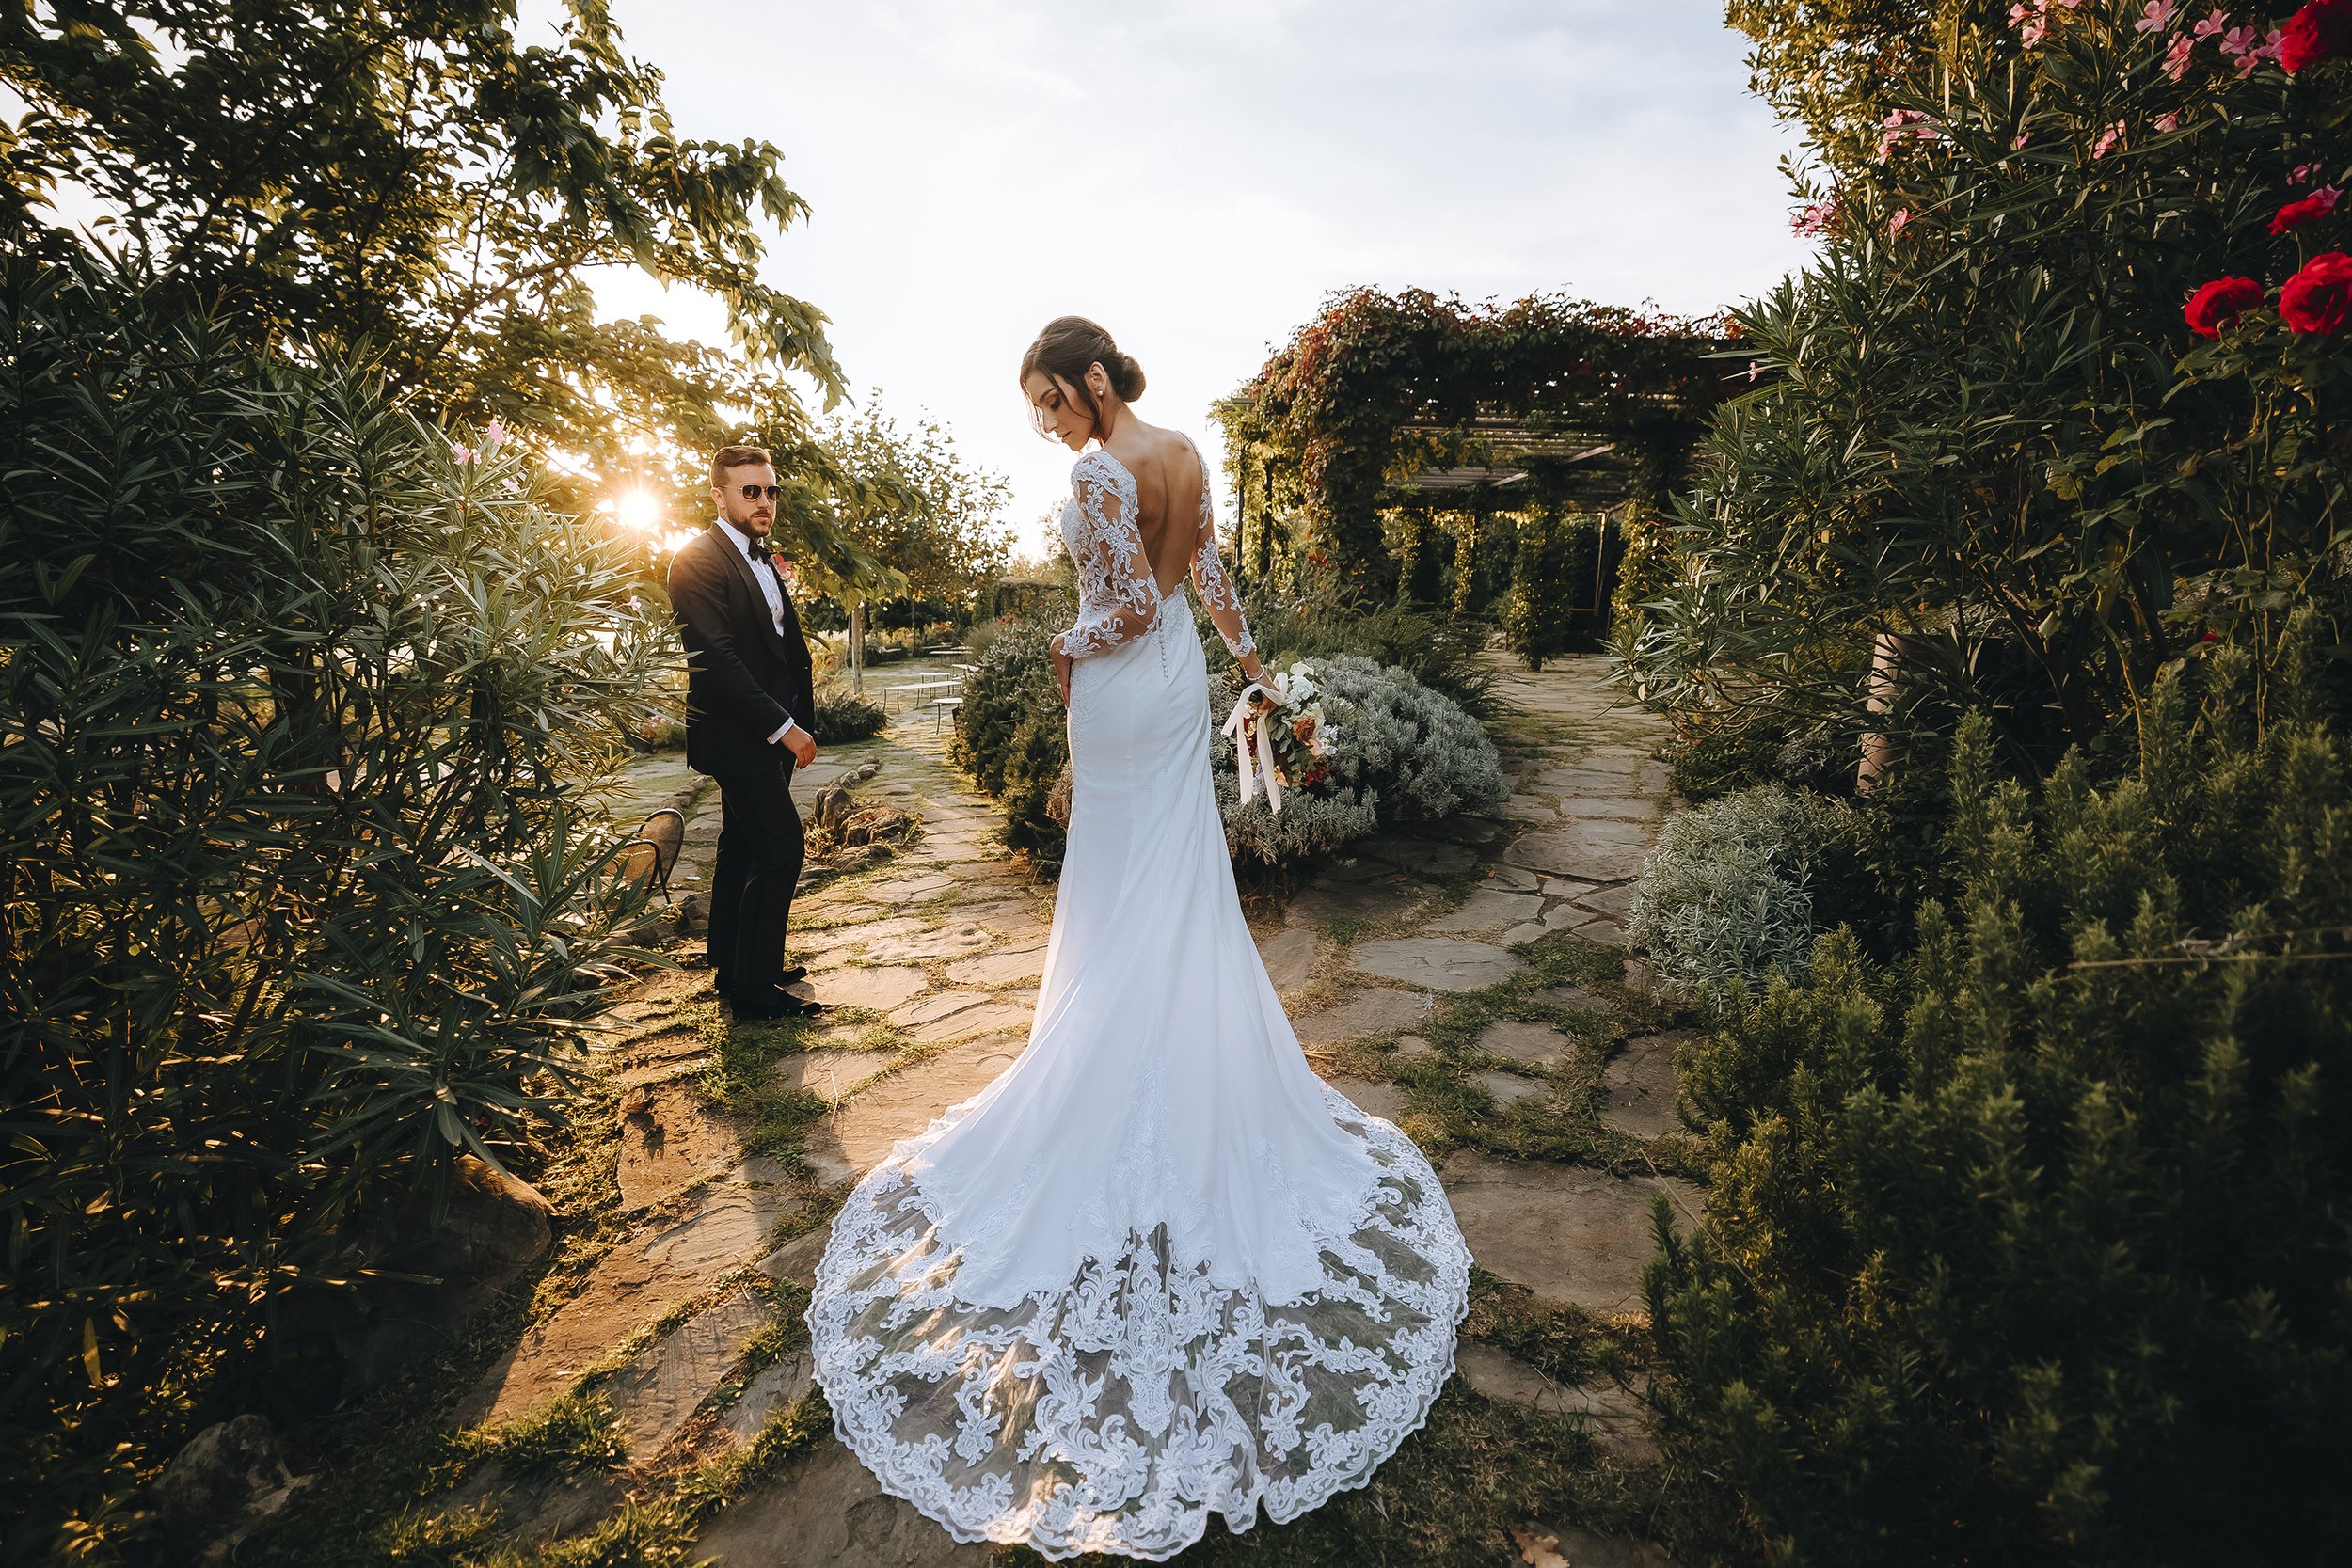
[406,180]
[907,498]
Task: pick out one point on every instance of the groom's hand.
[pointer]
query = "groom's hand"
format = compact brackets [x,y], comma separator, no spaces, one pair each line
[802,744]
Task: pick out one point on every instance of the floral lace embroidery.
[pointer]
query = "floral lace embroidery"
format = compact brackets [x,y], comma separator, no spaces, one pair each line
[1208,574]
[1118,598]
[1117,1413]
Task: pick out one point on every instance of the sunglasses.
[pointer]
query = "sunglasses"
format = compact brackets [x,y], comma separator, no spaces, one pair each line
[753,492]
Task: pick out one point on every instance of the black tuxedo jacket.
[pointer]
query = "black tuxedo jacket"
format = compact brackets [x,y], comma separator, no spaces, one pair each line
[742,679]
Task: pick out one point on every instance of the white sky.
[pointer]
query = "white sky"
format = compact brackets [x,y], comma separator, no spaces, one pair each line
[1198,176]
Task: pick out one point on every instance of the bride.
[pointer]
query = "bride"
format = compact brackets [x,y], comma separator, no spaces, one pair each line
[1157,1269]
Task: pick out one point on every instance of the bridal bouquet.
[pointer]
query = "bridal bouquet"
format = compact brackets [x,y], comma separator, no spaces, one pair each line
[1287,746]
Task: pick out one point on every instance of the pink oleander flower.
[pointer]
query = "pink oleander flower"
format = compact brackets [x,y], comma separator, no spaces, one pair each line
[2019,145]
[2241,41]
[2156,18]
[2215,24]
[2177,57]
[2274,46]
[1900,221]
[460,456]
[2108,140]
[2302,175]
[2034,32]
[492,434]
[1814,218]
[2168,122]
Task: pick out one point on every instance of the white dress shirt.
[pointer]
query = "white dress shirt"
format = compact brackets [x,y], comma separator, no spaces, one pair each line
[766,576]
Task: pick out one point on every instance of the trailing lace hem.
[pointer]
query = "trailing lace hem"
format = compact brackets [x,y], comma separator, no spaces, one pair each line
[1117,1413]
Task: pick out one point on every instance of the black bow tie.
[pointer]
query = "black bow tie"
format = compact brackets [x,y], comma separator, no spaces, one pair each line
[760,552]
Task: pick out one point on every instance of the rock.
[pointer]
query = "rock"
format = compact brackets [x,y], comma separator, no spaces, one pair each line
[670,1138]
[1615,902]
[1290,956]
[1512,879]
[334,1347]
[1440,963]
[1627,807]
[1371,1010]
[693,913]
[832,1076]
[1597,849]
[1602,929]
[655,1394]
[877,988]
[1638,1086]
[795,1262]
[1000,969]
[850,1142]
[901,890]
[825,1507]
[1573,1236]
[639,1280]
[1640,978]
[1612,1415]
[1385,1100]
[774,1390]
[223,1484]
[1508,1090]
[833,807]
[1570,996]
[1566,1546]
[1411,1048]
[1489,909]
[1538,1045]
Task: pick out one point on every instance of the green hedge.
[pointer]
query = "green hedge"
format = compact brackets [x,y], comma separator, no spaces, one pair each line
[2037,1246]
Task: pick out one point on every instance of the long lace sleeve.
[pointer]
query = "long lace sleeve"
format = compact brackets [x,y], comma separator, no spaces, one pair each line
[1118,598]
[1208,578]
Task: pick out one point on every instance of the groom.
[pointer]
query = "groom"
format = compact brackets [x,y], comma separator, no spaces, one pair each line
[748,705]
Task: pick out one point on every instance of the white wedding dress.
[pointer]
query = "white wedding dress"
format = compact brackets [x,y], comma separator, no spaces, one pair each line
[1156,1268]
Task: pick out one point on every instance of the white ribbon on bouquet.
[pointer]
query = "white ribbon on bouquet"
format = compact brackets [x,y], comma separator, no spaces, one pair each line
[1236,726]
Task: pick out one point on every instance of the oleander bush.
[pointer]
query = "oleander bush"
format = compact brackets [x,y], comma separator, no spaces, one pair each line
[296,887]
[2035,1246]
[1728,897]
[1402,753]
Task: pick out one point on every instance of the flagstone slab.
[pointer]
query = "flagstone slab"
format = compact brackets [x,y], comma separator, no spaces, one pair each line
[1385,1100]
[854,1138]
[957,938]
[1489,909]
[1638,1086]
[1509,1088]
[1438,963]
[1384,897]
[1597,849]
[1630,808]
[1423,857]
[831,1075]
[1003,968]
[1371,1010]
[1008,1015]
[641,1278]
[671,1138]
[877,988]
[1611,1414]
[1290,956]
[825,1510]
[908,890]
[1570,1235]
[937,1006]
[655,1394]
[1538,1045]
[775,1389]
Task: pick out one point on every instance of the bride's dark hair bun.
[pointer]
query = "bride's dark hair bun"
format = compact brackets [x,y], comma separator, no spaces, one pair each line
[1070,344]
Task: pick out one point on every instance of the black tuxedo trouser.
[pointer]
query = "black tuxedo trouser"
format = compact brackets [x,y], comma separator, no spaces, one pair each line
[758,864]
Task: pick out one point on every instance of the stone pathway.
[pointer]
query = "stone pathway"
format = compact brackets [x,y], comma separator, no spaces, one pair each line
[931,960]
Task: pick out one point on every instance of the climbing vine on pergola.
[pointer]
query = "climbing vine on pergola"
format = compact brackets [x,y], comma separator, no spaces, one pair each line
[1380,389]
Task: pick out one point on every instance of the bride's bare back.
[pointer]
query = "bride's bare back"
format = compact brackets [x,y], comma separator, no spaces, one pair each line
[1168,482]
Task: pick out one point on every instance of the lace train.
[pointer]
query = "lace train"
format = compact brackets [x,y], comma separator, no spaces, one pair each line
[1114,1414]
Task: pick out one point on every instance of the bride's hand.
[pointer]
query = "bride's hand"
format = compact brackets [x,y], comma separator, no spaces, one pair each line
[1062,670]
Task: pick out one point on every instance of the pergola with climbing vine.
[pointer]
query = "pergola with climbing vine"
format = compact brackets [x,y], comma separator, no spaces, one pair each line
[1389,411]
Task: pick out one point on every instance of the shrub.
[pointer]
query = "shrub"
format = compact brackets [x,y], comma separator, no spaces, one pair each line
[1727,896]
[843,715]
[1012,735]
[293,881]
[1403,754]
[2032,1248]
[1443,651]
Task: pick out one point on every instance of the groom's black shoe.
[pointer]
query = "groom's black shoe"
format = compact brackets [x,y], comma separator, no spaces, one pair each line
[774,1002]
[725,982]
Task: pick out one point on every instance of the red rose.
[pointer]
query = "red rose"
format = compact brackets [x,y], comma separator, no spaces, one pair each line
[2319,31]
[2294,214]
[2219,303]
[2318,298]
